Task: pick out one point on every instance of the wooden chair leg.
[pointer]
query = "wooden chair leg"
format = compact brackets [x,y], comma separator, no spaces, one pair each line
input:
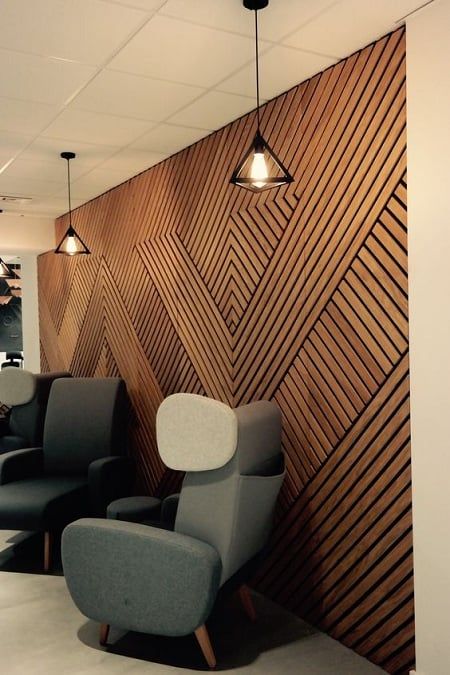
[48,544]
[247,602]
[104,632]
[205,645]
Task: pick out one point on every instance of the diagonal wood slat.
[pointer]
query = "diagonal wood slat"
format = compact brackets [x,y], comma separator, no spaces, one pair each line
[299,295]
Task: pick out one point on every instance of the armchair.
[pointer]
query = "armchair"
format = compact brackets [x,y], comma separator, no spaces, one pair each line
[152,580]
[80,467]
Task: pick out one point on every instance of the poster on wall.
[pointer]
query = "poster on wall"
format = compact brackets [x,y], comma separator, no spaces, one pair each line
[11,311]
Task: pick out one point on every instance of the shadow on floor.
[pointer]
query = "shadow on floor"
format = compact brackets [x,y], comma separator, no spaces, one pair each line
[24,551]
[237,641]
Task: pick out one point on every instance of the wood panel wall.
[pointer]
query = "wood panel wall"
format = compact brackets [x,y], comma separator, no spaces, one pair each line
[298,295]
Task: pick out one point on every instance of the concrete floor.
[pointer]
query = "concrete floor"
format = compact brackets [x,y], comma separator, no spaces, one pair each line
[42,633]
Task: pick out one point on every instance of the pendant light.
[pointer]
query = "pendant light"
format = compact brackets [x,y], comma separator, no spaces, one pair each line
[71,243]
[260,169]
[5,272]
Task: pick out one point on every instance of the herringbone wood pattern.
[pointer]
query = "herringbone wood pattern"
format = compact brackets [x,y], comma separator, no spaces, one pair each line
[298,295]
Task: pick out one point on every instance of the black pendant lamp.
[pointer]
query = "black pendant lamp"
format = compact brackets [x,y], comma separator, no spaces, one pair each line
[5,272]
[71,243]
[259,169]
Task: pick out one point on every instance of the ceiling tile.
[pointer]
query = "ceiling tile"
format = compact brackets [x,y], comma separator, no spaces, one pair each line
[214,109]
[132,160]
[169,139]
[182,52]
[54,206]
[87,31]
[280,69]
[25,117]
[278,19]
[41,79]
[49,150]
[13,185]
[134,96]
[79,125]
[98,181]
[350,25]
[145,5]
[11,144]
[31,169]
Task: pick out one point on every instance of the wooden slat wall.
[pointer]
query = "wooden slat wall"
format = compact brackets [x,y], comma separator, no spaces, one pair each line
[298,295]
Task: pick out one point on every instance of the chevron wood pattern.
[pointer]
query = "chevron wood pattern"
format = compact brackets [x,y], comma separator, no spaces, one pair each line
[297,295]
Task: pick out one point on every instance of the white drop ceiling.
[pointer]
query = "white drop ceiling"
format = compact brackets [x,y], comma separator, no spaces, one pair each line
[126,83]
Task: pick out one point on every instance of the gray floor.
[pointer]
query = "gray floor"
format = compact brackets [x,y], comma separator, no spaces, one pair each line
[42,633]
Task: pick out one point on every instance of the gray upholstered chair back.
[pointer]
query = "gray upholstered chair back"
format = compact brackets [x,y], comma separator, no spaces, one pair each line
[230,506]
[28,420]
[86,420]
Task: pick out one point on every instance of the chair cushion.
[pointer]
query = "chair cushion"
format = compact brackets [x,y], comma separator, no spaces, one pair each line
[41,503]
[17,386]
[195,433]
[8,443]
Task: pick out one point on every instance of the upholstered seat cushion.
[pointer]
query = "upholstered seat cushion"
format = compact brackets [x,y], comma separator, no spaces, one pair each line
[8,443]
[42,503]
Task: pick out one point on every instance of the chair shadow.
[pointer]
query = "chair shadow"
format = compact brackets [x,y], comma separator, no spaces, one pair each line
[237,641]
[23,552]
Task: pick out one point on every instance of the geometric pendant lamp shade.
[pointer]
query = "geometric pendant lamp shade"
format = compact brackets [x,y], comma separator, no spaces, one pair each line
[72,244]
[260,169]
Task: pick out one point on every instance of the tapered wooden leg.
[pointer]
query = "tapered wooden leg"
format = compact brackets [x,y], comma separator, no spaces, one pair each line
[104,632]
[205,645]
[48,543]
[247,602]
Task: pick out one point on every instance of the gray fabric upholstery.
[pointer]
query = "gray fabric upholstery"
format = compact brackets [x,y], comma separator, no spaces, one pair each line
[134,509]
[231,508]
[43,503]
[25,427]
[138,577]
[17,386]
[156,581]
[35,491]
[195,433]
[94,415]
[26,463]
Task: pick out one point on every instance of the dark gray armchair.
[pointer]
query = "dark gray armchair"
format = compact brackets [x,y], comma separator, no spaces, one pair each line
[24,427]
[151,580]
[81,465]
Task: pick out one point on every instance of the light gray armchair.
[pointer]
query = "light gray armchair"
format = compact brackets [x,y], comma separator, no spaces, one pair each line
[150,580]
[81,465]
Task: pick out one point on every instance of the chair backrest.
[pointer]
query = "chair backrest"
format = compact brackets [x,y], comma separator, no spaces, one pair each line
[228,496]
[17,387]
[27,420]
[86,420]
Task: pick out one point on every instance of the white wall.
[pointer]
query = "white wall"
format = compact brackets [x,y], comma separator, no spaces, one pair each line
[428,87]
[30,313]
[26,236]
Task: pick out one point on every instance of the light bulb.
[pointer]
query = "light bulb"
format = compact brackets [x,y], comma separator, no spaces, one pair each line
[71,245]
[258,170]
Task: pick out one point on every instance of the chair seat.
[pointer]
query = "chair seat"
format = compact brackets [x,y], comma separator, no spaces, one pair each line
[40,503]
[8,443]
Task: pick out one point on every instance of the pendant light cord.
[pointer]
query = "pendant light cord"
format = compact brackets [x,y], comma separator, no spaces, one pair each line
[257,69]
[68,184]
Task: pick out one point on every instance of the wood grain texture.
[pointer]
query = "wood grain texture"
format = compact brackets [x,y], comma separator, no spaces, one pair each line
[297,295]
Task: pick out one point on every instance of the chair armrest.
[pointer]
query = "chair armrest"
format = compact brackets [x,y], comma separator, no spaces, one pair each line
[109,478]
[21,464]
[140,578]
[169,509]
